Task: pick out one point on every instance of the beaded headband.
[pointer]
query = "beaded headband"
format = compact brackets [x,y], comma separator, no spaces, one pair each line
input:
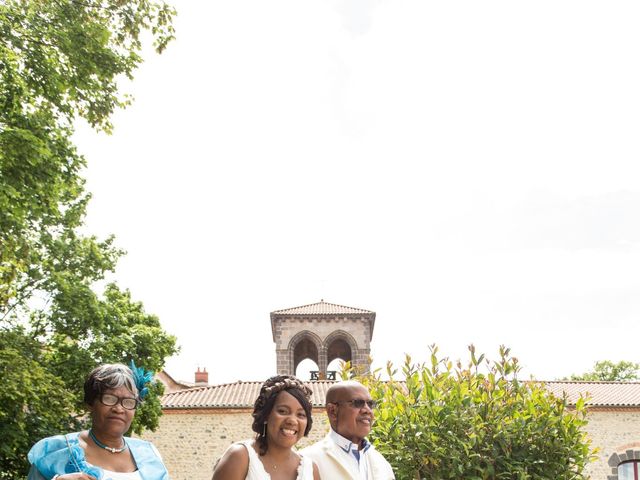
[284,383]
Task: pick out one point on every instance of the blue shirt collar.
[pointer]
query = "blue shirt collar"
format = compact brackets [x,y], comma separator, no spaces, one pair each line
[347,445]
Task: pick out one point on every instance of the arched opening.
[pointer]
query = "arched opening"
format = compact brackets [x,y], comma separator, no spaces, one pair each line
[304,369]
[625,462]
[339,348]
[629,470]
[305,349]
[338,352]
[336,365]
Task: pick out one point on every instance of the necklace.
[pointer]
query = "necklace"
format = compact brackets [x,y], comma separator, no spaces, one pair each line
[106,447]
[268,462]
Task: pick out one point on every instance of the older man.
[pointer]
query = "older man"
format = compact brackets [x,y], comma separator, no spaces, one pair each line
[345,452]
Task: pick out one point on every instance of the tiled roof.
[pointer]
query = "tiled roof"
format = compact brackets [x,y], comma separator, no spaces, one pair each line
[243,394]
[321,308]
[233,395]
[601,394]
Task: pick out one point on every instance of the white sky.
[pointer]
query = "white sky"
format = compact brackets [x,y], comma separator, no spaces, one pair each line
[468,170]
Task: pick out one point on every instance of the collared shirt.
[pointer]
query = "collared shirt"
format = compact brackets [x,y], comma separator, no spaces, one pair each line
[355,453]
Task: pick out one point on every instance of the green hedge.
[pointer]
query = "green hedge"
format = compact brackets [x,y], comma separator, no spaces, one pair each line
[476,422]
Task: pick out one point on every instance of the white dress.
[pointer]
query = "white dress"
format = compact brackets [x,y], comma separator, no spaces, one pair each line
[109,475]
[257,471]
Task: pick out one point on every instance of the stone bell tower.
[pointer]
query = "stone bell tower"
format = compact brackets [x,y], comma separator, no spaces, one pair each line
[322,332]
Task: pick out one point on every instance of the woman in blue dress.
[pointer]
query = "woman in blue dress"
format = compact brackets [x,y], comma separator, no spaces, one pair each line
[112,392]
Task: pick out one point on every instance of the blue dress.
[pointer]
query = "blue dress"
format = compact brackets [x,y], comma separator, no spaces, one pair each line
[63,454]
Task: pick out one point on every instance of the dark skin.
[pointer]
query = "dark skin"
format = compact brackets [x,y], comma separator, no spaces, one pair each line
[285,426]
[109,424]
[352,423]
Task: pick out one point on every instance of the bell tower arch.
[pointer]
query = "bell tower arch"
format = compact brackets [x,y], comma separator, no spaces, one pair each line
[322,332]
[303,345]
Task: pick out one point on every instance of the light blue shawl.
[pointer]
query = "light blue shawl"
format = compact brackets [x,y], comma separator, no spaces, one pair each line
[63,454]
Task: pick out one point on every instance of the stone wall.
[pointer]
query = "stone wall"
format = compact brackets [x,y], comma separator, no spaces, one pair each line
[191,441]
[614,431]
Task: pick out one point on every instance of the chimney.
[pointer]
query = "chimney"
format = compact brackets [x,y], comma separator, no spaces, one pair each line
[202,377]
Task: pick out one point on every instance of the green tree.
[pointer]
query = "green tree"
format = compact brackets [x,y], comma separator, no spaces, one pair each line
[478,422]
[33,402]
[60,61]
[609,371]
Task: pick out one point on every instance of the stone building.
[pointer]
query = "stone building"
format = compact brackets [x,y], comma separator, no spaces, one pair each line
[200,421]
[322,332]
[170,384]
[614,425]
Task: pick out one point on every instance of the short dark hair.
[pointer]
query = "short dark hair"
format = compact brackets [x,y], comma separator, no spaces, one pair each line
[267,398]
[107,377]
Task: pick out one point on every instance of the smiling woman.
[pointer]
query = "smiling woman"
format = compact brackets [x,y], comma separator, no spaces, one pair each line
[281,417]
[112,393]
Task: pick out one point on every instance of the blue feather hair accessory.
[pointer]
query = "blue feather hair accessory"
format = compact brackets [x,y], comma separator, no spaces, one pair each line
[141,377]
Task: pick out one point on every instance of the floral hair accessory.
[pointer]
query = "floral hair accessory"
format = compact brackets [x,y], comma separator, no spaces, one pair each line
[287,382]
[141,378]
[277,384]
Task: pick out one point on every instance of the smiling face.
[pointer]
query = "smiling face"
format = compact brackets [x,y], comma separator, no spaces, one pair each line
[287,421]
[352,423]
[111,421]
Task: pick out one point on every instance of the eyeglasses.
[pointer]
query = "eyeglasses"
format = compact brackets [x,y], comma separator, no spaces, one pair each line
[127,402]
[359,403]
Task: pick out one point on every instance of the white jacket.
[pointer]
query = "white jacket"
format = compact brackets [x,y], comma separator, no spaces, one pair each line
[333,464]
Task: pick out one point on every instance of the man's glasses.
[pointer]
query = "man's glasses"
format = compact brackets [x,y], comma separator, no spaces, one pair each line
[359,403]
[110,400]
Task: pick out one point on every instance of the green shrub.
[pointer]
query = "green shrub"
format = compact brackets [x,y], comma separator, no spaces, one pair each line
[477,422]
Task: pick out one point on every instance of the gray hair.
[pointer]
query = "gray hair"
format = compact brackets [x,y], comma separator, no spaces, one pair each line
[107,377]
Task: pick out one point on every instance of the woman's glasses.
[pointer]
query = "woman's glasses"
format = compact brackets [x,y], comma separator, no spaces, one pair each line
[110,400]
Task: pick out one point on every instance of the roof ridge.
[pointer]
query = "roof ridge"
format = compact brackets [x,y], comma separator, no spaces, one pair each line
[218,385]
[189,389]
[321,302]
[343,306]
[237,382]
[242,394]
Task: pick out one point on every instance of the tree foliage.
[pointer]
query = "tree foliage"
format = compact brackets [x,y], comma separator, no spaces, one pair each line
[476,422]
[60,61]
[608,371]
[33,402]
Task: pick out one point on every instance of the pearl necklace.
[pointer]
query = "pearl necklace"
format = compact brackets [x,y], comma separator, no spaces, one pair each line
[106,447]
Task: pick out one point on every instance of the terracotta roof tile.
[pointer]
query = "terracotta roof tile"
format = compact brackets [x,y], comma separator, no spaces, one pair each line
[232,395]
[601,394]
[243,394]
[321,308]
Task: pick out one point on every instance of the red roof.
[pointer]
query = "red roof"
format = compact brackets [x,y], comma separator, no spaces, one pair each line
[600,394]
[233,395]
[321,308]
[243,394]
